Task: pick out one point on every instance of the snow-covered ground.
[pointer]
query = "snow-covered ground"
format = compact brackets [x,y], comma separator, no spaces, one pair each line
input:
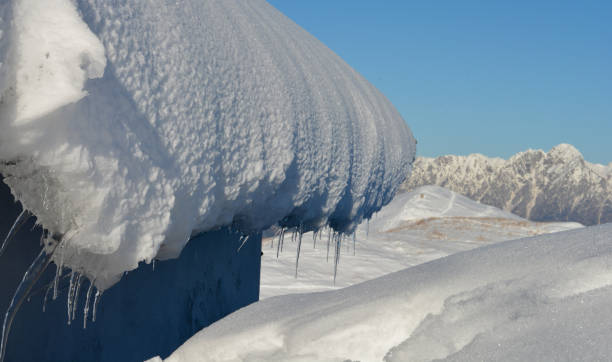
[425,224]
[542,298]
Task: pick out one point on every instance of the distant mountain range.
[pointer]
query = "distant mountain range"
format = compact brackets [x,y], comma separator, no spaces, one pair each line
[558,185]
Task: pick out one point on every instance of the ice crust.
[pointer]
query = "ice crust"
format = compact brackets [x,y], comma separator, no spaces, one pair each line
[131,127]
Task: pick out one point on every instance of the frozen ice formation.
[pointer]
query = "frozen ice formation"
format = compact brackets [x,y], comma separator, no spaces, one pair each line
[128,127]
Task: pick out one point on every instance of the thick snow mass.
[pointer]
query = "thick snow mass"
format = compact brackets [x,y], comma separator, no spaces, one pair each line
[544,298]
[427,223]
[128,127]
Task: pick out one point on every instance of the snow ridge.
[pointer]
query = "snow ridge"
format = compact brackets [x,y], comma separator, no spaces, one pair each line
[541,298]
[162,120]
[555,186]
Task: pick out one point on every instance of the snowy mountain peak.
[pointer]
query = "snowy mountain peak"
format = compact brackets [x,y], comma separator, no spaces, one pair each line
[565,148]
[558,185]
[566,152]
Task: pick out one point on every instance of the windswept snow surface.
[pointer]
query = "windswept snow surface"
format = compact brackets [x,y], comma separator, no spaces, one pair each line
[416,227]
[432,201]
[130,126]
[544,298]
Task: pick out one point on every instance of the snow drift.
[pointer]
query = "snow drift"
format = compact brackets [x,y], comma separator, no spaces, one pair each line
[545,298]
[127,128]
[427,223]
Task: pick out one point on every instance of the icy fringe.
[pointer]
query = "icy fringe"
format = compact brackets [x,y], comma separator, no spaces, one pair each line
[55,243]
[50,245]
[333,236]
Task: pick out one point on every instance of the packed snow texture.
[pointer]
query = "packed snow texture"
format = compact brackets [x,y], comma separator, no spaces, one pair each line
[558,185]
[128,127]
[415,227]
[544,298]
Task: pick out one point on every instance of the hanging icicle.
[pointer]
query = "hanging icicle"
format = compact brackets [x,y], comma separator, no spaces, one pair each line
[329,236]
[243,240]
[31,276]
[58,274]
[75,298]
[95,305]
[71,289]
[280,242]
[299,246]
[46,297]
[314,239]
[21,219]
[86,307]
[338,240]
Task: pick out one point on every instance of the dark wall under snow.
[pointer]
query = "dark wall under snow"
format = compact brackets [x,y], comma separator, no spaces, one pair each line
[148,313]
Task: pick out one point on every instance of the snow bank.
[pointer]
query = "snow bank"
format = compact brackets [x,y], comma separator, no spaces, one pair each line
[429,223]
[126,128]
[429,202]
[541,298]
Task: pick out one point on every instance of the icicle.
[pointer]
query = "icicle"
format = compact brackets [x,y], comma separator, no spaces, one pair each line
[21,219]
[329,235]
[70,294]
[86,307]
[75,298]
[153,264]
[243,240]
[95,304]
[277,233]
[58,275]
[314,239]
[347,244]
[340,240]
[278,245]
[281,243]
[283,239]
[31,276]
[337,256]
[299,246]
[354,242]
[47,296]
[367,228]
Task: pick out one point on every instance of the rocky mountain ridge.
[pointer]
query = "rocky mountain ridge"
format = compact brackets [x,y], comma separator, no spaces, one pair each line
[558,185]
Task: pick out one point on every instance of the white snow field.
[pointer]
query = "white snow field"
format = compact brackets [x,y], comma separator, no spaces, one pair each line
[416,227]
[542,298]
[128,127]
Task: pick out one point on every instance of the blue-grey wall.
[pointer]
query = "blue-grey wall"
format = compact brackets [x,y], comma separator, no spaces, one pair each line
[150,312]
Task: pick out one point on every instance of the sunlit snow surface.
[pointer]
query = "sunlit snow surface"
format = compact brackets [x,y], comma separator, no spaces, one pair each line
[130,126]
[543,298]
[428,223]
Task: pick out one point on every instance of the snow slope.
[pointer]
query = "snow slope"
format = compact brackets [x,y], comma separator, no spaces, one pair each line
[416,227]
[432,201]
[547,297]
[558,185]
[128,127]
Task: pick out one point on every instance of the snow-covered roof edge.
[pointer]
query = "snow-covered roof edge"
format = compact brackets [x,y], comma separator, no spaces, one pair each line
[132,127]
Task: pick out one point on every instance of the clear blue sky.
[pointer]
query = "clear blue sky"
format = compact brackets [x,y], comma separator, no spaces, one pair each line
[493,77]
